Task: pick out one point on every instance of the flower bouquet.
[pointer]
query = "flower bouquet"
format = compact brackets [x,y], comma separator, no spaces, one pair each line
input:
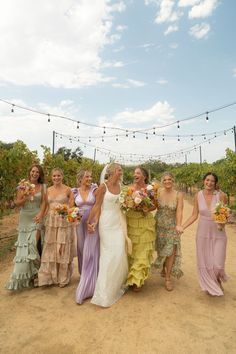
[27,188]
[61,209]
[70,214]
[221,215]
[73,214]
[140,200]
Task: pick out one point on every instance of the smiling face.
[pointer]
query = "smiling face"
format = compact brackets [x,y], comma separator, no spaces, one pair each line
[209,183]
[86,180]
[57,177]
[167,182]
[118,172]
[34,174]
[139,176]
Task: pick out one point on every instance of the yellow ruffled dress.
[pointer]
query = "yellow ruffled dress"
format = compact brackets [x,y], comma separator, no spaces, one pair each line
[141,231]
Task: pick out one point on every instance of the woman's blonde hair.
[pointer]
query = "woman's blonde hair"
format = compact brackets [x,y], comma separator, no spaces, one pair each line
[111,168]
[169,175]
[57,169]
[80,175]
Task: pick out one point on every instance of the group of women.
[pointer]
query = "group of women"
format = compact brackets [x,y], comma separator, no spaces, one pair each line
[114,250]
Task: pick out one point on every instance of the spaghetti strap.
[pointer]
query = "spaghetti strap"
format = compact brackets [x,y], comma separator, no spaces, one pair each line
[106,186]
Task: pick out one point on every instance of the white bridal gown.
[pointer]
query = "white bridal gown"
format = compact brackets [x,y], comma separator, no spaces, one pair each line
[113,264]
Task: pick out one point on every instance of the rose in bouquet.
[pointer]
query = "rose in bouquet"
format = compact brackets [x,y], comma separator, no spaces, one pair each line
[73,214]
[221,214]
[27,188]
[61,209]
[140,200]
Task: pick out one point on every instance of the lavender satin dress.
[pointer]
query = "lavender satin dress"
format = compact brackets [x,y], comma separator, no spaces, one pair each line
[211,248]
[87,248]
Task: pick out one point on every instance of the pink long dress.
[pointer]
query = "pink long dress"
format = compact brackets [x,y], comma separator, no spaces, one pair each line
[211,248]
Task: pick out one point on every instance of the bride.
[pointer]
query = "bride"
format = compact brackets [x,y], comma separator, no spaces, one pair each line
[113,265]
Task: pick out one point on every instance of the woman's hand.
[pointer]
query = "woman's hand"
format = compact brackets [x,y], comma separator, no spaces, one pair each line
[91,227]
[38,218]
[179,229]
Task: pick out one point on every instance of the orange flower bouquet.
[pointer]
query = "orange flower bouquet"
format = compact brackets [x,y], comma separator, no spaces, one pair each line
[221,215]
[136,200]
[73,215]
[27,188]
[61,209]
[70,214]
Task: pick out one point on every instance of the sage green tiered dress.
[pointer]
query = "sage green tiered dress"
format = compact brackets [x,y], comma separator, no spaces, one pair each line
[26,261]
[141,231]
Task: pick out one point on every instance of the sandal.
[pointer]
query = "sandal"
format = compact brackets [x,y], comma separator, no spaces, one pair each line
[163,273]
[136,288]
[168,285]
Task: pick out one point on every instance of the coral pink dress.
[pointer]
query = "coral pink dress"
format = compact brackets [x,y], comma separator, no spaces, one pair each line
[211,248]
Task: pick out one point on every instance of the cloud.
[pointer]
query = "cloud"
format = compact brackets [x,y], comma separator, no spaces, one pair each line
[199,31]
[162,82]
[121,28]
[159,113]
[185,3]
[234,72]
[171,11]
[173,45]
[56,44]
[166,12]
[130,83]
[171,29]
[113,64]
[203,9]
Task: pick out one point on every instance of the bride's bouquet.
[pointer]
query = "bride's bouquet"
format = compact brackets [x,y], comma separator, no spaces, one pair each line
[27,188]
[221,215]
[140,200]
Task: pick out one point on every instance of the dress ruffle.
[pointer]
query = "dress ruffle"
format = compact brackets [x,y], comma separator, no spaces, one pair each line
[141,232]
[58,252]
[26,260]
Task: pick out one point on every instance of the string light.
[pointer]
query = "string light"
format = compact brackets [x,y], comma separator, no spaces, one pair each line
[163,137]
[207,118]
[178,126]
[141,131]
[191,137]
[12,109]
[104,130]
[49,119]
[126,133]
[78,125]
[134,135]
[178,138]
[154,131]
[146,136]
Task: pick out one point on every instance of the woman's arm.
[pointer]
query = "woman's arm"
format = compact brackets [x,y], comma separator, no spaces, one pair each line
[179,212]
[43,206]
[21,199]
[71,198]
[96,209]
[194,215]
[223,198]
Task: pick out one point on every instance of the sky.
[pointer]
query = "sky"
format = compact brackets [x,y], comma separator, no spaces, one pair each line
[123,65]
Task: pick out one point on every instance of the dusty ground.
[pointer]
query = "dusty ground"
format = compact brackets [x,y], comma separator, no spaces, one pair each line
[151,322]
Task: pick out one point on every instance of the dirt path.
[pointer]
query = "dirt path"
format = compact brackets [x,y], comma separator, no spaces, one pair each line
[151,322]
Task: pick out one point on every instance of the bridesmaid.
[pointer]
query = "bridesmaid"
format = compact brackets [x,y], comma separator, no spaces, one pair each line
[30,231]
[141,231]
[87,244]
[58,252]
[168,219]
[113,266]
[210,242]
